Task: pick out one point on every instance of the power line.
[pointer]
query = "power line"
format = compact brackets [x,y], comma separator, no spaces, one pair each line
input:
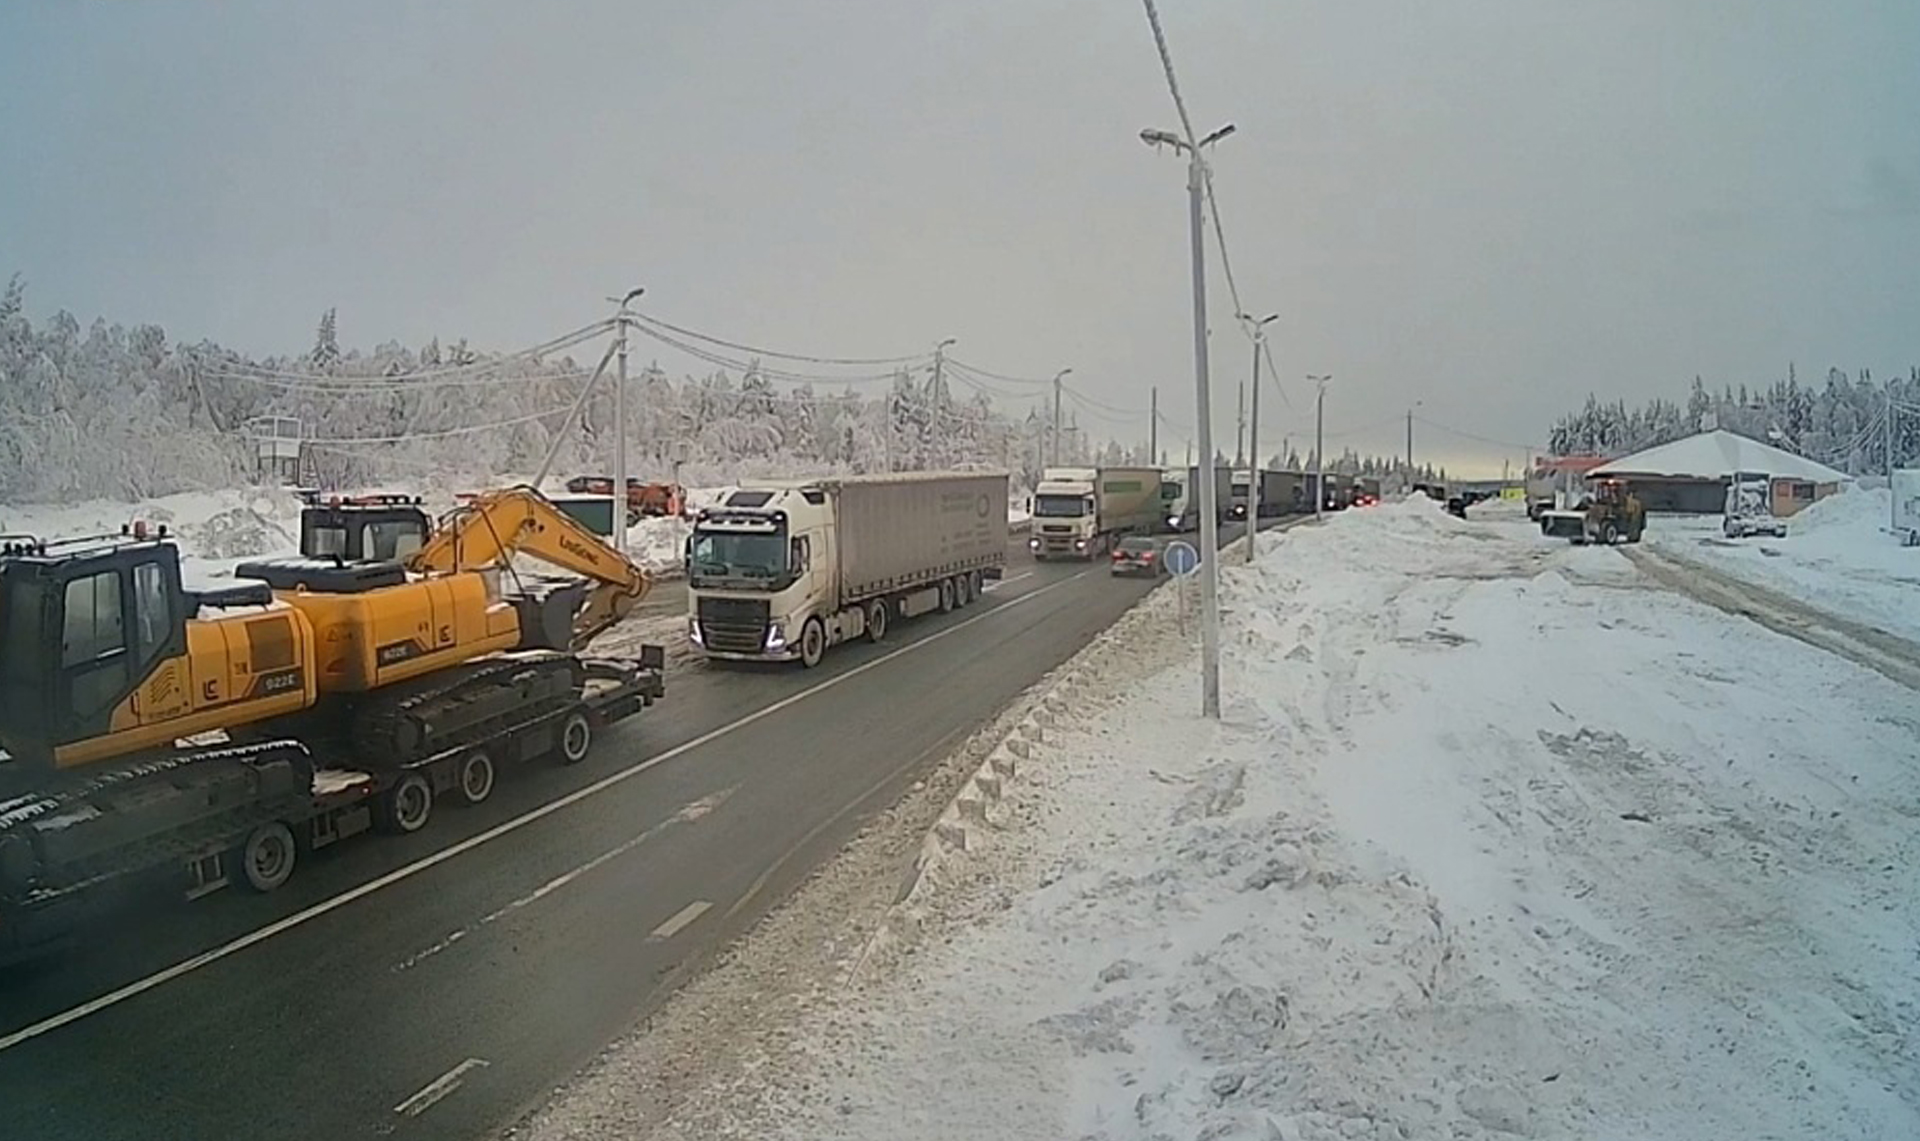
[441,434]
[454,375]
[1004,379]
[1478,439]
[712,357]
[737,347]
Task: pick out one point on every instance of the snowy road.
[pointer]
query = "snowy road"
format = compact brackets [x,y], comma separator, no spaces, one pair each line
[1497,839]
[437,985]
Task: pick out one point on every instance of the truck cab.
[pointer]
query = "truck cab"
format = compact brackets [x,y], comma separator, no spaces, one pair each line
[759,566]
[1066,518]
[1749,507]
[1239,506]
[1179,502]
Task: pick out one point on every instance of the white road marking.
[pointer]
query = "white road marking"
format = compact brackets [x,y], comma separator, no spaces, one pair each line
[686,815]
[678,921]
[408,871]
[994,586]
[436,1091]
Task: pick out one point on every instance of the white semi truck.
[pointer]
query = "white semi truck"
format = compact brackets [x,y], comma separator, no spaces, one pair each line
[782,569]
[1180,497]
[1081,512]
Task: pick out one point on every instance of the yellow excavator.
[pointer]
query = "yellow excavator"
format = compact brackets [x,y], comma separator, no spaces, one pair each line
[394,661]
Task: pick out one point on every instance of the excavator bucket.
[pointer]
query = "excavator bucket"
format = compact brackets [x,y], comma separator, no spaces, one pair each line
[546,612]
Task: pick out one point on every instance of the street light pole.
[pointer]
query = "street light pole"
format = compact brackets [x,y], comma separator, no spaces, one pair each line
[1056,414]
[1254,482]
[620,427]
[1320,447]
[939,400]
[1203,412]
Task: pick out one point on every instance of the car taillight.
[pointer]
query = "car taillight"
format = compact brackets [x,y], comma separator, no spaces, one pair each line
[1119,556]
[1147,558]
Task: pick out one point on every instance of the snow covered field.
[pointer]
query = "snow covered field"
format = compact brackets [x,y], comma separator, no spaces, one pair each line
[1495,840]
[1837,556]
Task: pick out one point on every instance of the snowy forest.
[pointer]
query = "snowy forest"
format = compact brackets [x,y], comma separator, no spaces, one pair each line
[127,413]
[124,412]
[1840,423]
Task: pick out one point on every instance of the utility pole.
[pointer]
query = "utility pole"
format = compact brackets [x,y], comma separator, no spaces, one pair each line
[1153,426]
[940,389]
[1254,485]
[1320,446]
[1240,434]
[1893,505]
[1409,445]
[1203,400]
[1057,377]
[620,427]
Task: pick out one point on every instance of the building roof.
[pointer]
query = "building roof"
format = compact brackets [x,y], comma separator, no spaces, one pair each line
[1718,455]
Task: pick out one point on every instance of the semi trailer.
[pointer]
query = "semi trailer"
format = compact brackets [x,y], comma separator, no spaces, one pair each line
[782,570]
[1081,512]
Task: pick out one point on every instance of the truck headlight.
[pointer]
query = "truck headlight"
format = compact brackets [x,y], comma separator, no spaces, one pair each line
[693,631]
[1033,544]
[776,637]
[1079,544]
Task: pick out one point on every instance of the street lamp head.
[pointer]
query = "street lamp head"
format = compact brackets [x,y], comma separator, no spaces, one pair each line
[1158,138]
[1061,373]
[1222,133]
[948,341]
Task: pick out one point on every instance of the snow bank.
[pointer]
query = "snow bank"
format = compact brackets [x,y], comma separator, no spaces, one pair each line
[1480,850]
[1837,556]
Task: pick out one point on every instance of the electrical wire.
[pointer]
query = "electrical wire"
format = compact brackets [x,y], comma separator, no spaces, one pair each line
[1001,377]
[1476,438]
[919,358]
[445,433]
[454,375]
[715,358]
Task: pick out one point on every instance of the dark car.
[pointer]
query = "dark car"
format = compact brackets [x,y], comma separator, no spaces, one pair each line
[1139,555]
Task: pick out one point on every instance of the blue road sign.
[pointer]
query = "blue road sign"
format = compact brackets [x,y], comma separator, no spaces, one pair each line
[1182,559]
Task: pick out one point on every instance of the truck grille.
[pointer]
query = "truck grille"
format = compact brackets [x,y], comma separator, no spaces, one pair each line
[1057,528]
[734,625]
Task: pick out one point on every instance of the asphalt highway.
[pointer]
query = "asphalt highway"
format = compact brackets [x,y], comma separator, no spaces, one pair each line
[439,985]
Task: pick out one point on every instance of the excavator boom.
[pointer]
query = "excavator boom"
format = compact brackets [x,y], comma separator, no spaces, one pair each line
[493,526]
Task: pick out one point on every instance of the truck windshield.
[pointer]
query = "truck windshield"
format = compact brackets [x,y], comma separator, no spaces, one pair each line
[719,554]
[1240,489]
[1059,506]
[1170,490]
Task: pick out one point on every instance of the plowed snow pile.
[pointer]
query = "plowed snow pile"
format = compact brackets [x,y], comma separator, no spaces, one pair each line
[1476,853]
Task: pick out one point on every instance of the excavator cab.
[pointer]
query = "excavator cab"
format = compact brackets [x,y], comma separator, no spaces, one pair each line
[84,623]
[363,529]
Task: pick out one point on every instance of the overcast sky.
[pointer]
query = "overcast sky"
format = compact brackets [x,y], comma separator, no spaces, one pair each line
[1490,206]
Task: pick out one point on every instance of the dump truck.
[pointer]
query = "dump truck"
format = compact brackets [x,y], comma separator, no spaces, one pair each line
[781,570]
[1180,497]
[1081,512]
[644,500]
[165,738]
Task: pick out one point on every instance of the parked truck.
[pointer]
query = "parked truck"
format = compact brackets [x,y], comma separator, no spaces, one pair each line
[1081,512]
[1268,493]
[1180,495]
[782,570]
[1749,507]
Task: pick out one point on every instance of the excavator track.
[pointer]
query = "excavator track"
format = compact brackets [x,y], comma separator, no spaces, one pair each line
[402,725]
[92,830]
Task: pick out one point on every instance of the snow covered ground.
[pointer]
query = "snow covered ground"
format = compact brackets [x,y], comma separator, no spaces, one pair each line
[1494,840]
[1837,556]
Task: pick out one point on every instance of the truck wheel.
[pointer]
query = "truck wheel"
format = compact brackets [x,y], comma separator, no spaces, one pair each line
[576,737]
[962,590]
[268,856]
[975,586]
[813,643]
[475,777]
[404,808]
[947,596]
[877,620]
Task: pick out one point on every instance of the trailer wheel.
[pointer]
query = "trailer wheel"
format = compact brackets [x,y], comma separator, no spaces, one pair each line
[475,777]
[268,856]
[877,620]
[813,643]
[404,808]
[948,596]
[976,586]
[576,737]
[963,589]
